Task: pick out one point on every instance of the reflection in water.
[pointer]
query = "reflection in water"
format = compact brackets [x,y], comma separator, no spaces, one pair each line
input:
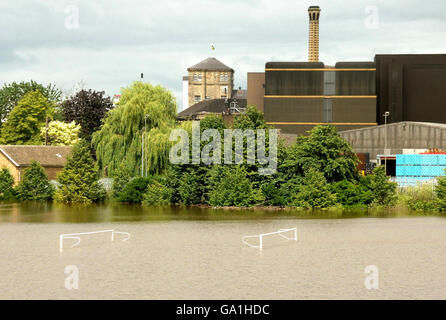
[47,212]
[197,253]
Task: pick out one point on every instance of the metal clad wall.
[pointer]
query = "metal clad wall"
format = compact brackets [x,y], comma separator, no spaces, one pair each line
[354,110]
[411,87]
[294,83]
[293,110]
[355,83]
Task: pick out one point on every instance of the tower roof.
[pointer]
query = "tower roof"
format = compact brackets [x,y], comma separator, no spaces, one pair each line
[210,64]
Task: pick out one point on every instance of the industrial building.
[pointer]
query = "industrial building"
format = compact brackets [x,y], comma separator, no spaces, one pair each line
[385,142]
[349,95]
[300,95]
[411,87]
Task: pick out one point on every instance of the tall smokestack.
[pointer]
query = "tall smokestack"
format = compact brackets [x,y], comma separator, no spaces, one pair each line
[313,49]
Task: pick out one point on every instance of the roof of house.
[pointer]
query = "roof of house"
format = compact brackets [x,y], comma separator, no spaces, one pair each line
[47,156]
[209,106]
[210,64]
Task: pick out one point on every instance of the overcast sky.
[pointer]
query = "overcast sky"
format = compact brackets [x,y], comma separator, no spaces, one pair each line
[107,44]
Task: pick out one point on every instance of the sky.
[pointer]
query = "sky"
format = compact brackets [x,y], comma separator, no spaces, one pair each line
[105,45]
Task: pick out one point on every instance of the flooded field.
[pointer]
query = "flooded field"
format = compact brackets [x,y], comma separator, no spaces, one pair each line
[190,253]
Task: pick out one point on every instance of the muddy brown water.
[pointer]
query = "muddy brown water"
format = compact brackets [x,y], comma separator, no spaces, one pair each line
[195,253]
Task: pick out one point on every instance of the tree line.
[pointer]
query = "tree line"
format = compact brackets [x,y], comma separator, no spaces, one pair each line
[318,170]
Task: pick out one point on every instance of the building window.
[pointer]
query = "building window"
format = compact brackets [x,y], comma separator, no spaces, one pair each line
[197,98]
[197,76]
[208,98]
[224,77]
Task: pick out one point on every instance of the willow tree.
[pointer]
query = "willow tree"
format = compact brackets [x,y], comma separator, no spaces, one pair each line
[143,110]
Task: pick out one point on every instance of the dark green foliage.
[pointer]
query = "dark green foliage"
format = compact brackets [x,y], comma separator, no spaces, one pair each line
[314,192]
[279,192]
[87,108]
[134,190]
[230,186]
[120,178]
[324,150]
[12,93]
[251,119]
[34,184]
[78,179]
[384,191]
[191,188]
[26,119]
[159,192]
[7,191]
[351,194]
[440,191]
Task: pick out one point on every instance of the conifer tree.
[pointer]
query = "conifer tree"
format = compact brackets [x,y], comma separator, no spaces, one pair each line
[6,185]
[78,179]
[34,184]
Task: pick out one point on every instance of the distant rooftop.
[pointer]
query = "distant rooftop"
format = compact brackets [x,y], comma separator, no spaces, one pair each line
[47,156]
[210,64]
[209,106]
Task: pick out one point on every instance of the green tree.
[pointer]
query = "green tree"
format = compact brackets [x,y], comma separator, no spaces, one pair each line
[7,191]
[78,179]
[87,108]
[60,133]
[159,193]
[135,190]
[34,184]
[120,179]
[440,191]
[351,194]
[12,93]
[384,191]
[119,139]
[314,192]
[252,118]
[230,186]
[324,150]
[26,119]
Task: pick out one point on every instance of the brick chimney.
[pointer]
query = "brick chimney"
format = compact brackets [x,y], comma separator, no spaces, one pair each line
[313,49]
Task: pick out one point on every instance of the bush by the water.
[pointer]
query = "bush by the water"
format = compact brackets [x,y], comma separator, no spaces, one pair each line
[34,184]
[314,193]
[230,186]
[78,180]
[384,191]
[134,190]
[7,191]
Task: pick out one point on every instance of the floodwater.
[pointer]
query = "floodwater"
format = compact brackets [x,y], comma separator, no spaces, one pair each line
[191,253]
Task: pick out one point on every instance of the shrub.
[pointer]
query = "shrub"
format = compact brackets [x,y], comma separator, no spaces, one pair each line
[278,192]
[7,191]
[158,192]
[351,194]
[230,186]
[134,191]
[190,188]
[120,178]
[420,197]
[34,184]
[440,191]
[384,191]
[78,179]
[314,192]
